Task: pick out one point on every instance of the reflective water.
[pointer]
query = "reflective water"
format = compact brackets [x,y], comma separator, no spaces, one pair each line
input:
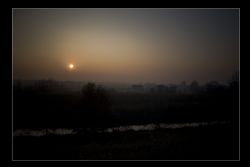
[30,132]
[162,126]
[64,131]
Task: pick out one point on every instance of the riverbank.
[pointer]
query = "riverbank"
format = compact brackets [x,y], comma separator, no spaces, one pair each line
[215,142]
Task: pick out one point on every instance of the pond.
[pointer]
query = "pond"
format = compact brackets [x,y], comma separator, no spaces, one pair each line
[147,127]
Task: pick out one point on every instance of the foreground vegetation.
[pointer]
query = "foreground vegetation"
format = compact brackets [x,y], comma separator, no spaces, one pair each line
[46,106]
[204,143]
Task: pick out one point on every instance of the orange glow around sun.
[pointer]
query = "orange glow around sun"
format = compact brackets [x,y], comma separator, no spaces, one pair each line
[71,67]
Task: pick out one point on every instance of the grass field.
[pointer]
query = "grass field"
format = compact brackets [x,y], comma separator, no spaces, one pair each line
[215,142]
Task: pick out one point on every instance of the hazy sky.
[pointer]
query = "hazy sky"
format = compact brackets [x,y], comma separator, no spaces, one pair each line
[126,45]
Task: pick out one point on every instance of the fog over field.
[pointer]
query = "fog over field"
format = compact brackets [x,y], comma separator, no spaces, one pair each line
[126,84]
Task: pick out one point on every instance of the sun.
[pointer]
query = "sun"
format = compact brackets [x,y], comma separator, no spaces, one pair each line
[71,66]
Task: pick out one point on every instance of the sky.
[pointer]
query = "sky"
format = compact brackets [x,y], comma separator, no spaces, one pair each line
[126,45]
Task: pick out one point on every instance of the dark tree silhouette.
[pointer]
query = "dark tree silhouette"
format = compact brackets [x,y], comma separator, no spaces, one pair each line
[212,86]
[194,86]
[234,83]
[234,96]
[94,104]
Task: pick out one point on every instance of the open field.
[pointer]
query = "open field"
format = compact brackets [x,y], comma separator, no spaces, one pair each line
[210,142]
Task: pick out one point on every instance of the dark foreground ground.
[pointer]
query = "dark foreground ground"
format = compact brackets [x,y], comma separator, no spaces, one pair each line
[215,142]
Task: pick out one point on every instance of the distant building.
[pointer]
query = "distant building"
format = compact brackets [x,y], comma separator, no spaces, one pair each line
[194,86]
[161,88]
[183,88]
[137,87]
[171,89]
